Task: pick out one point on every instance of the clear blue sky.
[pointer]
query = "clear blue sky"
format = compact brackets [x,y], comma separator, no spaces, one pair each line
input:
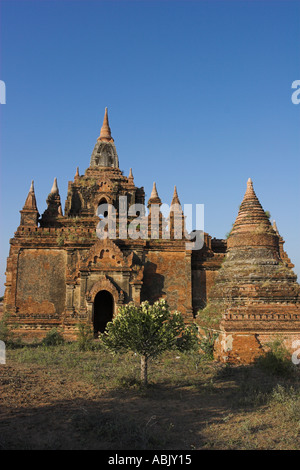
[198,92]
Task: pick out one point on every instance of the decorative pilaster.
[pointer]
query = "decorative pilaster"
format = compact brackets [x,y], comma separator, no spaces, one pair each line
[70,309]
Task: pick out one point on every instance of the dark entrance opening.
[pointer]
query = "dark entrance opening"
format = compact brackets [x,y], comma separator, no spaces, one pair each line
[103,311]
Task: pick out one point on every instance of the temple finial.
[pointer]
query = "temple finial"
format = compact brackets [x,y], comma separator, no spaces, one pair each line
[154,192]
[175,199]
[251,216]
[77,173]
[54,189]
[154,197]
[250,193]
[105,133]
[275,227]
[29,213]
[30,202]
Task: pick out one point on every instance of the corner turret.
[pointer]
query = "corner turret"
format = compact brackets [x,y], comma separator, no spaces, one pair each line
[29,213]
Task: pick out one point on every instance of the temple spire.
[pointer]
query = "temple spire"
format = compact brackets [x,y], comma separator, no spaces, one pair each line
[30,202]
[251,213]
[104,154]
[275,227]
[154,197]
[105,133]
[176,218]
[54,189]
[29,213]
[154,192]
[252,226]
[54,209]
[175,199]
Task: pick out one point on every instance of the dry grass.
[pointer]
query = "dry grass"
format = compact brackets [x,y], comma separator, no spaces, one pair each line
[58,397]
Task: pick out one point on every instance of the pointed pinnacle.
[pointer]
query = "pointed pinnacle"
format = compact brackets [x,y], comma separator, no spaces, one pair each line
[154,193]
[30,202]
[77,172]
[251,212]
[154,197]
[130,174]
[54,189]
[105,133]
[175,199]
[250,190]
[275,227]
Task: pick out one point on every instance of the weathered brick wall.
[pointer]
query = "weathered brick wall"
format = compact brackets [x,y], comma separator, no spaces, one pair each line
[245,348]
[41,281]
[203,280]
[205,266]
[167,274]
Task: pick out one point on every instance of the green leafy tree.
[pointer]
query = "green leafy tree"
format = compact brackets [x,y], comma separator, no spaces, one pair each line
[149,330]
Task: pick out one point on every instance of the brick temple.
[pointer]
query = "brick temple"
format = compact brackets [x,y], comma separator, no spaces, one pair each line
[60,273]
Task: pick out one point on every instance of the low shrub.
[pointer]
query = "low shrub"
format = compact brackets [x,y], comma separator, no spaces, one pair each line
[207,342]
[85,337]
[289,397]
[53,338]
[277,360]
[5,331]
[7,334]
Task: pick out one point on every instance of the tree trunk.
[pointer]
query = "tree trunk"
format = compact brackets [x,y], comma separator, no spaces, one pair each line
[144,370]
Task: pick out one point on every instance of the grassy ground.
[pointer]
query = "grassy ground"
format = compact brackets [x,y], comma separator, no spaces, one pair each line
[57,397]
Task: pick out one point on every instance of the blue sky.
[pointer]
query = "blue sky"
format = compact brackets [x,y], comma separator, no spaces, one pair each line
[198,93]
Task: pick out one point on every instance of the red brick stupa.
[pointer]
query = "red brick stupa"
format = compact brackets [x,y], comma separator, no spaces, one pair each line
[256,289]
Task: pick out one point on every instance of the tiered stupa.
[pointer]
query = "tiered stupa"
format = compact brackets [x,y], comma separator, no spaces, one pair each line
[256,290]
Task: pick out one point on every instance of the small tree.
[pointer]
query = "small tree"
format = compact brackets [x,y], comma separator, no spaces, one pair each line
[149,330]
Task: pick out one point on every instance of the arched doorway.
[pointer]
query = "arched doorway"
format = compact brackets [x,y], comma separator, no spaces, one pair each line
[103,311]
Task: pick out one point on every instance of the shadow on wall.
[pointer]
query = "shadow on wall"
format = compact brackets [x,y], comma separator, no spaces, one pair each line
[199,287]
[153,283]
